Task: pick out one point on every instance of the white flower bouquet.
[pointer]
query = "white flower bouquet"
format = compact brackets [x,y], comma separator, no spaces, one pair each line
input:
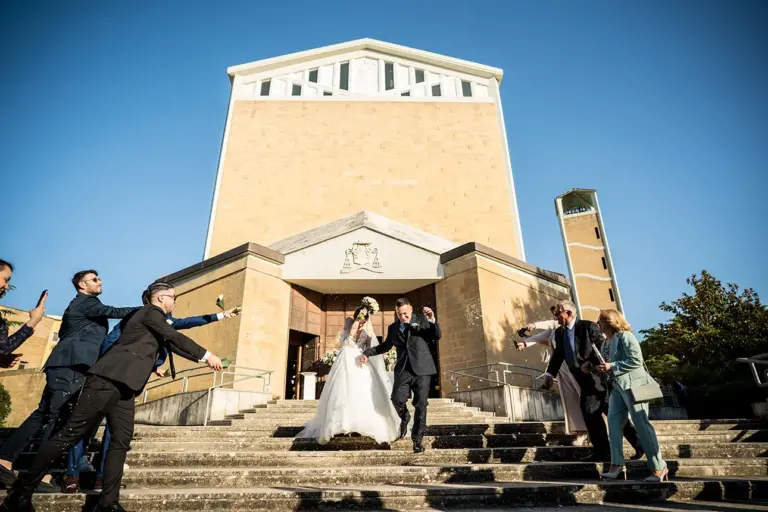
[330,357]
[390,359]
[371,305]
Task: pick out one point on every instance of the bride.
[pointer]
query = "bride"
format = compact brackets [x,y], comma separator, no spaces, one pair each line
[356,397]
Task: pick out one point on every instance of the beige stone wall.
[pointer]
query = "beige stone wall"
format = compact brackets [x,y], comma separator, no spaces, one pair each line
[38,347]
[458,301]
[258,338]
[263,336]
[483,302]
[581,229]
[26,388]
[292,166]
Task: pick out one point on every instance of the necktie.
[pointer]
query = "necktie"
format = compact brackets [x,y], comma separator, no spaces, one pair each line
[570,357]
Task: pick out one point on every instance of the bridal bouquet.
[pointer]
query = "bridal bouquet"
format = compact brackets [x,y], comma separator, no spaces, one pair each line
[371,305]
[330,357]
[390,359]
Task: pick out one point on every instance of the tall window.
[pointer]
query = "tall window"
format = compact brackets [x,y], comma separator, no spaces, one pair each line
[313,75]
[610,294]
[436,90]
[597,233]
[466,89]
[419,76]
[389,76]
[265,88]
[604,264]
[296,90]
[344,78]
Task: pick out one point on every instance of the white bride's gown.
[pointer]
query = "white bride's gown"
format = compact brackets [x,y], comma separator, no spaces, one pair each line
[356,397]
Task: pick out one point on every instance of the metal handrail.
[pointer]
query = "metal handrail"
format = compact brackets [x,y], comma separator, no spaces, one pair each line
[185,378]
[753,362]
[184,381]
[265,385]
[505,371]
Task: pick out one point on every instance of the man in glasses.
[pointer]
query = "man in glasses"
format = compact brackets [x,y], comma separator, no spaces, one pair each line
[83,328]
[111,389]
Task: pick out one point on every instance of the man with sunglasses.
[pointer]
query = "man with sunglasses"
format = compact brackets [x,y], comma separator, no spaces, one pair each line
[84,326]
[111,389]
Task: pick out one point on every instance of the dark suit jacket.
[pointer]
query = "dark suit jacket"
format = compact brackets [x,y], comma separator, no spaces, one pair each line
[413,347]
[83,328]
[584,332]
[132,358]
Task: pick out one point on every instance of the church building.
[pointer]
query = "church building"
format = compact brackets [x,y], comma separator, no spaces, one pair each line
[364,169]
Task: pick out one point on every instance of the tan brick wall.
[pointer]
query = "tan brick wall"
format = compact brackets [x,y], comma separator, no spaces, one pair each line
[581,229]
[458,300]
[482,304]
[263,337]
[591,292]
[37,347]
[26,388]
[292,166]
[511,299]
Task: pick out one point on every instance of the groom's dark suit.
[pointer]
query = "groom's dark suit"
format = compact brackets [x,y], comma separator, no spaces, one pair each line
[414,368]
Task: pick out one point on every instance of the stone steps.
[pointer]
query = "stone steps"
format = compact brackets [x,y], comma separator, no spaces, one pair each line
[244,477]
[260,443]
[362,458]
[409,497]
[477,428]
[281,417]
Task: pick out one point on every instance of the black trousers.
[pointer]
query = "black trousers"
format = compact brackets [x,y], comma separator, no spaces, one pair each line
[62,388]
[594,404]
[101,397]
[405,382]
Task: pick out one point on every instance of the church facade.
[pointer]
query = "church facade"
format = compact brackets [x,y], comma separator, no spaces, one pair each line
[364,168]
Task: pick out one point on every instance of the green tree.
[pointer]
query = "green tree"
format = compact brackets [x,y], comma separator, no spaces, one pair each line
[699,345]
[5,404]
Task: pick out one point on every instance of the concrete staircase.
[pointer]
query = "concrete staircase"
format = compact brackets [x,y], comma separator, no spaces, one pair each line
[251,462]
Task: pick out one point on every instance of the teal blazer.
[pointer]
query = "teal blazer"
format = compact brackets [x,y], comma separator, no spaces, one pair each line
[626,359]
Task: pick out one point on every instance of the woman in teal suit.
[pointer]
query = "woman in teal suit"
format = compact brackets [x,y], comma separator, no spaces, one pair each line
[625,368]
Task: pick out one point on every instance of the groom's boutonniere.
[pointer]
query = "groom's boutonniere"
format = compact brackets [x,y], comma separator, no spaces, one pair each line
[415,326]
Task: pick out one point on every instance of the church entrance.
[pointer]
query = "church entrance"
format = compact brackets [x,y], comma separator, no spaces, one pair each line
[317,321]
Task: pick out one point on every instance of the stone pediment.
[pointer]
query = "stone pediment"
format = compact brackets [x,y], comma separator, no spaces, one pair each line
[371,221]
[363,253]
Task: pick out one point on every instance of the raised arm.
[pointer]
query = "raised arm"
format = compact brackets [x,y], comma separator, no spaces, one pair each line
[93,308]
[195,321]
[10,342]
[177,342]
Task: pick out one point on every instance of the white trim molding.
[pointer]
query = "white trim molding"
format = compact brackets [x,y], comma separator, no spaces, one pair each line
[219,171]
[496,95]
[463,66]
[585,246]
[592,276]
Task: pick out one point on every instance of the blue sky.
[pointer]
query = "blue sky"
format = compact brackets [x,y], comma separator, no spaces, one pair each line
[112,116]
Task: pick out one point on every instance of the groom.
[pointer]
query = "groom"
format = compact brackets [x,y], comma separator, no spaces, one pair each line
[411,335]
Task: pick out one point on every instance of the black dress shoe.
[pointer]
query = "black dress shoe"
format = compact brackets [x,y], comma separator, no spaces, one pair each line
[417,446]
[7,477]
[17,502]
[403,430]
[639,454]
[113,507]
